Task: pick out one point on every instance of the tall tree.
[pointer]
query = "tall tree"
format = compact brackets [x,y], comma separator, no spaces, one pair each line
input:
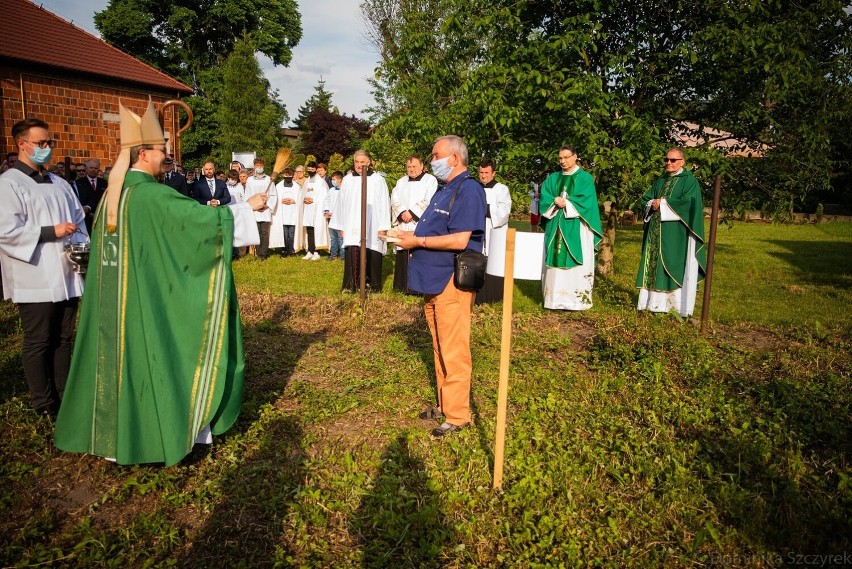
[191,40]
[321,99]
[184,37]
[250,117]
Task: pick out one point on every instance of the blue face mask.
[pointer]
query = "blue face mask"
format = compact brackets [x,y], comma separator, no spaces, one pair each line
[441,169]
[40,156]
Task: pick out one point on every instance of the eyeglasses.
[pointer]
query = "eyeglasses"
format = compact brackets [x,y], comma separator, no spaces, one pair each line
[671,160]
[567,157]
[42,143]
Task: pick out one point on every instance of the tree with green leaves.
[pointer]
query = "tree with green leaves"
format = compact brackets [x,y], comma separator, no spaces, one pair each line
[321,99]
[184,37]
[191,41]
[250,116]
[620,81]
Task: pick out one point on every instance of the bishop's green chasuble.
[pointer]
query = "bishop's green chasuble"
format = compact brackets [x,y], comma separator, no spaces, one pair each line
[159,351]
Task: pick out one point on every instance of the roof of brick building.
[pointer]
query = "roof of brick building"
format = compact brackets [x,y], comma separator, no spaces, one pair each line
[52,41]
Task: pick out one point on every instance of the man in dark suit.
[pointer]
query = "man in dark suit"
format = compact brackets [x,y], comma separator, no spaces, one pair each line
[208,190]
[172,178]
[90,189]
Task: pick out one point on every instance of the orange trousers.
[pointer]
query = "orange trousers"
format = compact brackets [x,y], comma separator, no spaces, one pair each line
[448,316]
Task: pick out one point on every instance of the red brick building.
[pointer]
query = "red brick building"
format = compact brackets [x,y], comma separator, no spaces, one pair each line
[73,81]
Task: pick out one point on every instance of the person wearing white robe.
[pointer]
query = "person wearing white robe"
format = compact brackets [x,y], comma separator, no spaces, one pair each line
[499,202]
[409,199]
[260,183]
[39,215]
[284,221]
[314,193]
[346,217]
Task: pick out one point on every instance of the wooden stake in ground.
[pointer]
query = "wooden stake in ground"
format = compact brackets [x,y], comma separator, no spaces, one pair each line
[711,252]
[505,353]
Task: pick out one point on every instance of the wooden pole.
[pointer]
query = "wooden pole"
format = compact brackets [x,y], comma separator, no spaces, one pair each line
[362,260]
[708,277]
[505,353]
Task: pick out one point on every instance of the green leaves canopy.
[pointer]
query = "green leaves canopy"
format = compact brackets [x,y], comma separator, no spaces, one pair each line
[184,37]
[620,80]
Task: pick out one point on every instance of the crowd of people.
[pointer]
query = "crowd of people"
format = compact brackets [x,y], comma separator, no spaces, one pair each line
[162,242]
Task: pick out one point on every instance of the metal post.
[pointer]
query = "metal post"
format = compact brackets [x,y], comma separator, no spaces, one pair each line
[708,277]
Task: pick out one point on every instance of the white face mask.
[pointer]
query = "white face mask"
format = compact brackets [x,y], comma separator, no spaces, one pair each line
[232,182]
[441,169]
[258,170]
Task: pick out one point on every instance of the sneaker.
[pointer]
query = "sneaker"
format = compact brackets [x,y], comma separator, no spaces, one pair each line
[315,257]
[431,413]
[445,429]
[308,257]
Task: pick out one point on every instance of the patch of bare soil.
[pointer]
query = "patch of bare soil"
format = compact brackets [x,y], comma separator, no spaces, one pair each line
[748,336]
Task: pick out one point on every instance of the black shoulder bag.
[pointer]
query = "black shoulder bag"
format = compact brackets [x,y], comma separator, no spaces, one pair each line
[470,266]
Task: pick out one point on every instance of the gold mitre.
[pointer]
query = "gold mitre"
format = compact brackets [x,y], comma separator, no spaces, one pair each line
[135,131]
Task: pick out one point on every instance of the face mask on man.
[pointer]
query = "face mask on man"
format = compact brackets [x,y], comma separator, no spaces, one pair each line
[232,182]
[258,171]
[40,156]
[441,169]
[288,179]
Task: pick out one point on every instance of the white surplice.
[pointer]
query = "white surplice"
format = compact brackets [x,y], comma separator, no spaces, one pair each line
[347,211]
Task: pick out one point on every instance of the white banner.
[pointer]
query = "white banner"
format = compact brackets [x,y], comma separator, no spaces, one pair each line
[529,255]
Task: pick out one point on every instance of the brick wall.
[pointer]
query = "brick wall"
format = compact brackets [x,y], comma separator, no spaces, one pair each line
[82,114]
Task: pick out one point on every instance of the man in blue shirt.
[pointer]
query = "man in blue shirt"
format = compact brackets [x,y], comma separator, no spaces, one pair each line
[453,222]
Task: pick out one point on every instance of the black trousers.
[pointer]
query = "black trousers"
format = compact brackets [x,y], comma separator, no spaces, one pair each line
[263,228]
[400,271]
[48,339]
[491,291]
[312,245]
[352,267]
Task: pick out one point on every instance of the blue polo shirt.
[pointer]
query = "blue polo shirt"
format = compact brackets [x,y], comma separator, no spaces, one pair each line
[429,270]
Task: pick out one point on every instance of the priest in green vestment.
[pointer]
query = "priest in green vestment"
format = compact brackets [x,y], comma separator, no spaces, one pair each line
[572,231]
[158,358]
[673,253]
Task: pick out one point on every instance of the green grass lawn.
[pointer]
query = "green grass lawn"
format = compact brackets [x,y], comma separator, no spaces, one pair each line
[764,273]
[632,440]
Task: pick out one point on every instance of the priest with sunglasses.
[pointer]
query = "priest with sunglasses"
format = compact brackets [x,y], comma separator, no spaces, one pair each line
[673,253]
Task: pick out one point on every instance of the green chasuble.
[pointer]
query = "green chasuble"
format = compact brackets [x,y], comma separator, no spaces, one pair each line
[159,350]
[664,243]
[561,234]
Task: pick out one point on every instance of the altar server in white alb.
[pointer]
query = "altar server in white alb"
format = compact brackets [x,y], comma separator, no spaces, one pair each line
[496,221]
[314,193]
[409,199]
[39,214]
[286,217]
[260,183]
[347,218]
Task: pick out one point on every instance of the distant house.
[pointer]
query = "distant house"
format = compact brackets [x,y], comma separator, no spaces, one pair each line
[719,139]
[72,80]
[291,134]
